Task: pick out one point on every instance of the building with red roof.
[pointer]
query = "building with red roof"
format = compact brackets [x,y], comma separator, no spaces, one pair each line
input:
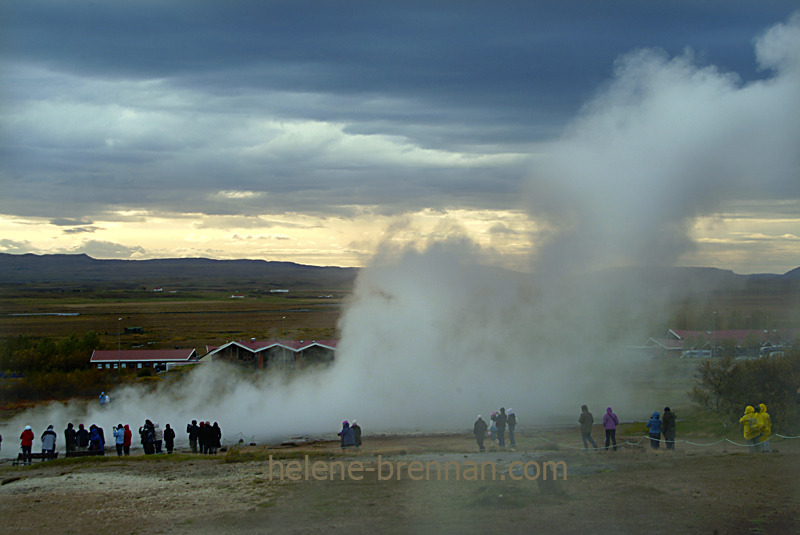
[142,358]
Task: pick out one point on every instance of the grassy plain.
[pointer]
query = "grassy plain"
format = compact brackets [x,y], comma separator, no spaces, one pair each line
[186,319]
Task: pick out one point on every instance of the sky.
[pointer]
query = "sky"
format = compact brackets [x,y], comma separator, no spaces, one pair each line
[323,132]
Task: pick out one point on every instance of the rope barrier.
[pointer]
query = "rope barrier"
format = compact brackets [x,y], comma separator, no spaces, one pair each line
[647,437]
[698,444]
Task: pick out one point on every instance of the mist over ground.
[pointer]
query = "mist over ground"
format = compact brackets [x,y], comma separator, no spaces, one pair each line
[433,335]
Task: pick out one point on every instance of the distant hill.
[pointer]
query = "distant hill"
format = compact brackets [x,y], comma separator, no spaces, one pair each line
[793,274]
[82,269]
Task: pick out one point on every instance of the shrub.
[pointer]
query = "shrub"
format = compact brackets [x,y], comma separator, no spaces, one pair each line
[727,386]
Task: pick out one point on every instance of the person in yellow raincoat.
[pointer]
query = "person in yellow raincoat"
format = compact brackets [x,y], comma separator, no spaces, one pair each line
[765,426]
[751,429]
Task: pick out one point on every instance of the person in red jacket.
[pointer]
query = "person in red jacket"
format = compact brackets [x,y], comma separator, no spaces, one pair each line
[26,439]
[126,440]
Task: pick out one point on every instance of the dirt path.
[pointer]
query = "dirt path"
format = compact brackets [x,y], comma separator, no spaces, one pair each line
[634,490]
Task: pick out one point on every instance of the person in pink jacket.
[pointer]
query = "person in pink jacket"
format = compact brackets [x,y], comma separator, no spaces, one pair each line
[610,422]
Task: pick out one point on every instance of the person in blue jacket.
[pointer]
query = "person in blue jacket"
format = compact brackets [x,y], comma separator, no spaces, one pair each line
[654,425]
[119,439]
[96,440]
[347,434]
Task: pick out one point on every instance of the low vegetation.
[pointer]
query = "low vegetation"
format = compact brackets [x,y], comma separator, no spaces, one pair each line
[726,386]
[43,368]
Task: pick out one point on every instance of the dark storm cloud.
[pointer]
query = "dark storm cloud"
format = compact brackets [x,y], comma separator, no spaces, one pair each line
[162,105]
[500,55]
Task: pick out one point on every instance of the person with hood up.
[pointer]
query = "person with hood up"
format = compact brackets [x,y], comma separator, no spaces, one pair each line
[147,436]
[765,424]
[127,436]
[82,437]
[70,437]
[348,437]
[751,428]
[587,421]
[610,423]
[169,438]
[96,442]
[49,442]
[668,428]
[119,439]
[493,427]
[26,441]
[479,430]
[512,424]
[654,427]
[356,433]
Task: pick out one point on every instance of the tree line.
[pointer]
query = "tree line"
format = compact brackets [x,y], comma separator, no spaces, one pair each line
[727,385]
[44,368]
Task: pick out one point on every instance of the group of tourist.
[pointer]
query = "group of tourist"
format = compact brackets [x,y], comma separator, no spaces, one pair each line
[153,438]
[610,423]
[657,425]
[350,435]
[757,428]
[204,437]
[81,439]
[502,419]
[496,431]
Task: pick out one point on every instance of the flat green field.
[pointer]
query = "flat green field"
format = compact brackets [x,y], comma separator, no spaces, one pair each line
[190,319]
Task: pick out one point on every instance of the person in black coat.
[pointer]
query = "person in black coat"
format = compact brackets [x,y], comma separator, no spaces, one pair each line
[169,438]
[202,437]
[668,428]
[501,427]
[192,429]
[82,436]
[479,429]
[70,437]
[148,437]
[216,436]
[356,433]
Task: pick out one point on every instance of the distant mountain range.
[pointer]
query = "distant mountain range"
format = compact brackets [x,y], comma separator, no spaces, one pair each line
[81,269]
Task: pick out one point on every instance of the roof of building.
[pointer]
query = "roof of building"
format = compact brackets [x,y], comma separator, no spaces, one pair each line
[144,355]
[740,335]
[262,345]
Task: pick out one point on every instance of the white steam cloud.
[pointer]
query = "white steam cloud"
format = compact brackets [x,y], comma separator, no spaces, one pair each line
[667,141]
[431,338]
